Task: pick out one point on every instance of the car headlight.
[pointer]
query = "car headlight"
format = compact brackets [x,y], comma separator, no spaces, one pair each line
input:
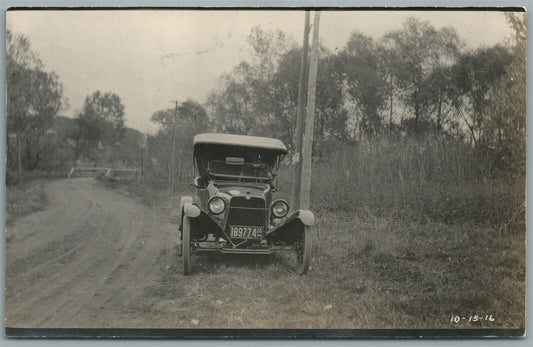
[280,208]
[217,205]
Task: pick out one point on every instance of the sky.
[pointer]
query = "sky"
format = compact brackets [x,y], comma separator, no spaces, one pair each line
[152,58]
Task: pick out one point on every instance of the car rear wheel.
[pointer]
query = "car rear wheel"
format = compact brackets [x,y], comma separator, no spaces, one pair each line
[186,245]
[303,251]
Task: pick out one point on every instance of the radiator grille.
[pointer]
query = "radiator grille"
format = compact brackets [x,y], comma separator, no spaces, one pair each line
[240,201]
[247,212]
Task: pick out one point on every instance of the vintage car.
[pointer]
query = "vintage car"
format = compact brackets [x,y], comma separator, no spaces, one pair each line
[233,210]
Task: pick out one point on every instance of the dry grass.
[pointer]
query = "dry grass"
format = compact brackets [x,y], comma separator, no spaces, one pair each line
[432,178]
[409,232]
[24,198]
[367,272]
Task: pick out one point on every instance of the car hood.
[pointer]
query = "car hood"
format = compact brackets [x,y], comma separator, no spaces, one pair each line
[228,191]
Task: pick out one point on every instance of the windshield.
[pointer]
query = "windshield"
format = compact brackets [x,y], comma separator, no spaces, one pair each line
[242,171]
[236,163]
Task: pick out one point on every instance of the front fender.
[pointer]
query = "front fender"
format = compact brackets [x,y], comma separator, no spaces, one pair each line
[307,217]
[201,223]
[291,228]
[183,201]
[190,210]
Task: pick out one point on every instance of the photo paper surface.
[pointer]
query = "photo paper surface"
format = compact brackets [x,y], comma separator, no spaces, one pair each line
[265,172]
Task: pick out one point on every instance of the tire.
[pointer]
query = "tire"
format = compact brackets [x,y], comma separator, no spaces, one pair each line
[186,245]
[303,251]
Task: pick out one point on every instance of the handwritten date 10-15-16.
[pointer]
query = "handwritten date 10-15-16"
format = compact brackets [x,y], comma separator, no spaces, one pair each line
[472,318]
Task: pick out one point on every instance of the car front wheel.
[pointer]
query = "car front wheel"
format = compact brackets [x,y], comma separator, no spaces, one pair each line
[303,250]
[186,245]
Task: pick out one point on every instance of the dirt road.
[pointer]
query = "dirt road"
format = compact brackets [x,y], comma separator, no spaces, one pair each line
[86,260]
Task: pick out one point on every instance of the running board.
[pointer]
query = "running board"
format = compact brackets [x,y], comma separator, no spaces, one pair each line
[244,251]
[241,250]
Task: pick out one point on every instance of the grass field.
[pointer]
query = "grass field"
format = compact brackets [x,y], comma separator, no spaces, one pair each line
[366,272]
[24,198]
[461,254]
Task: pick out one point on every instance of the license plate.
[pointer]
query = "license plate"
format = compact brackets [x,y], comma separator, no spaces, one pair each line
[238,232]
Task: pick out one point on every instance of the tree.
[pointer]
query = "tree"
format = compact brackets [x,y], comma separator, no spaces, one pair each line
[386,62]
[282,121]
[259,97]
[163,118]
[249,99]
[100,123]
[473,75]
[442,81]
[330,117]
[267,50]
[231,103]
[359,65]
[191,119]
[505,128]
[415,52]
[34,97]
[46,102]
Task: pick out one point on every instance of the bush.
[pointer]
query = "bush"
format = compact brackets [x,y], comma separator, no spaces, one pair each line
[15,177]
[24,198]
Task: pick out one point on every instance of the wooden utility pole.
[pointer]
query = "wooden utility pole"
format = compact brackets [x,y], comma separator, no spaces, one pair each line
[173,150]
[142,165]
[19,151]
[144,150]
[302,88]
[307,148]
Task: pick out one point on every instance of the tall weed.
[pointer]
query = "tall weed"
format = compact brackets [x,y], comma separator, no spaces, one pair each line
[431,178]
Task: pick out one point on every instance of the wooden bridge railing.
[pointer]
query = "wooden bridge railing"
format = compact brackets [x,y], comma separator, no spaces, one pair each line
[109,173]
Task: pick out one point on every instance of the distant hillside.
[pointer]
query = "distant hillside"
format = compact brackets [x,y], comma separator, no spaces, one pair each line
[125,152]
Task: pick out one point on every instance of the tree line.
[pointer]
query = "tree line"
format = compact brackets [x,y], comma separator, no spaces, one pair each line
[36,139]
[414,82]
[33,99]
